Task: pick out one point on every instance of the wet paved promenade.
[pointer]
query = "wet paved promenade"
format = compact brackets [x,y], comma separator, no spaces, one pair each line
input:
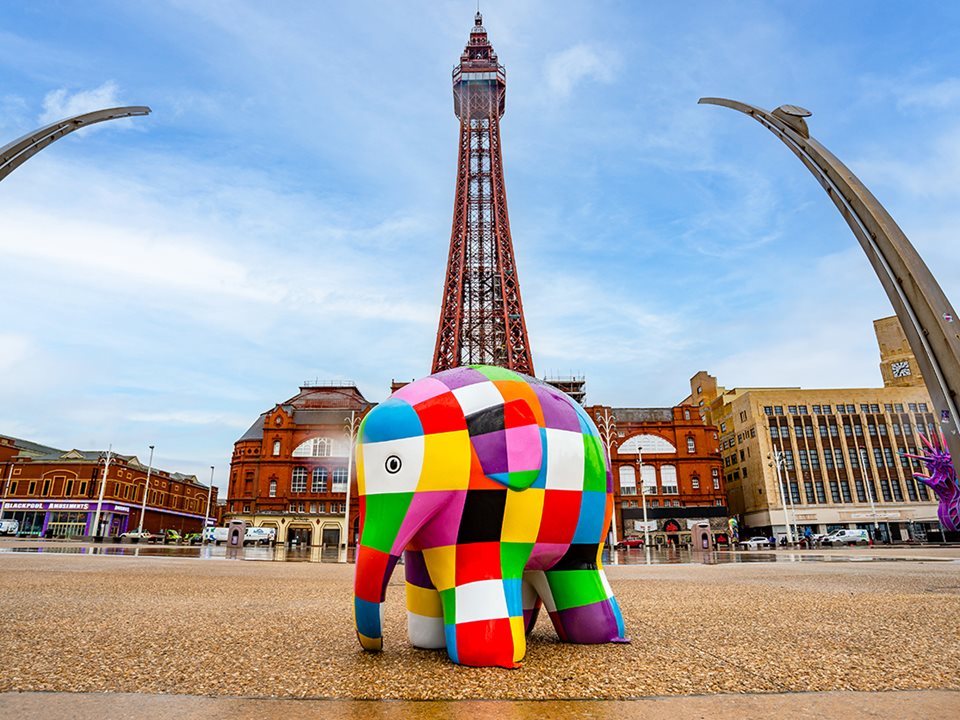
[859,620]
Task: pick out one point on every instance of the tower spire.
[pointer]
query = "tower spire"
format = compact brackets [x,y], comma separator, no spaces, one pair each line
[481,319]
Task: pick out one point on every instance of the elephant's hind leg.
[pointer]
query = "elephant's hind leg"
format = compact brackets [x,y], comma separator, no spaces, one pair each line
[583,607]
[487,627]
[424,610]
[531,604]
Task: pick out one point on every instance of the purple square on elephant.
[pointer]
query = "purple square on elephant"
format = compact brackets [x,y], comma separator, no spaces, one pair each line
[557,412]
[461,377]
[492,451]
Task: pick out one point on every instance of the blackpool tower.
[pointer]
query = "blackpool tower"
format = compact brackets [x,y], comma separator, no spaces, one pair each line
[481,320]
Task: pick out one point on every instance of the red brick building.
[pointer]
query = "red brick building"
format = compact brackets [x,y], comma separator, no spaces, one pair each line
[56,493]
[682,472]
[289,471]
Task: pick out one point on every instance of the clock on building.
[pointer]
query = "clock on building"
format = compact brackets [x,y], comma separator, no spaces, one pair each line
[900,369]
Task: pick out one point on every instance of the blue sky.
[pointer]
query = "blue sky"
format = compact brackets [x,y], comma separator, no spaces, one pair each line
[284,213]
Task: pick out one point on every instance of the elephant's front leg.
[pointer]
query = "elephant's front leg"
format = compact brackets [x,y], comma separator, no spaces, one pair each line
[482,609]
[582,606]
[424,610]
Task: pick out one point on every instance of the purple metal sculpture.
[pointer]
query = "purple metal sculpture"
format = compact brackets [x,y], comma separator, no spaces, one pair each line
[942,480]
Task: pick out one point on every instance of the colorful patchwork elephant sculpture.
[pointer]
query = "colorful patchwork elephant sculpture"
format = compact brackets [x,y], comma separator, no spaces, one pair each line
[495,489]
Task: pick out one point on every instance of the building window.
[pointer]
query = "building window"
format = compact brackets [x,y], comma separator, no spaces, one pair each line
[339,480]
[246,508]
[802,410]
[912,407]
[648,477]
[276,447]
[718,502]
[716,479]
[768,410]
[676,503]
[774,431]
[314,447]
[319,481]
[628,480]
[273,488]
[293,507]
[686,414]
[298,481]
[668,480]
[778,409]
[691,445]
[816,409]
[695,481]
[923,407]
[791,409]
[898,407]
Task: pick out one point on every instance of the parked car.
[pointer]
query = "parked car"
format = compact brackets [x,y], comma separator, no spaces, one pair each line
[631,541]
[136,535]
[192,539]
[847,537]
[756,542]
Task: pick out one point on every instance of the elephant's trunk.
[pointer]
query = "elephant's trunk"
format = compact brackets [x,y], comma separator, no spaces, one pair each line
[374,569]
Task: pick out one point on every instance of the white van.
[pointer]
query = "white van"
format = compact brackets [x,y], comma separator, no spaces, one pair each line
[9,527]
[847,537]
[252,536]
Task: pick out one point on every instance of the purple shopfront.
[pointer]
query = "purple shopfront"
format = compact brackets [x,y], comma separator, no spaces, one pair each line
[66,519]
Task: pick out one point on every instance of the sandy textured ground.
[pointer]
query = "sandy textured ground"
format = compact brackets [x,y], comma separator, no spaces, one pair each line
[260,629]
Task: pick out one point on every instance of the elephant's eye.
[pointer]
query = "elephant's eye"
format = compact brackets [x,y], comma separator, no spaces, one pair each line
[393,464]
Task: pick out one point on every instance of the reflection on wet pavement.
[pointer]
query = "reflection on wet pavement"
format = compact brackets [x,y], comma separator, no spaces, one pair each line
[281,553]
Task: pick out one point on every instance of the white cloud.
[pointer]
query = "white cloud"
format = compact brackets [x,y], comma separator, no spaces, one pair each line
[60,104]
[566,69]
[191,417]
[938,95]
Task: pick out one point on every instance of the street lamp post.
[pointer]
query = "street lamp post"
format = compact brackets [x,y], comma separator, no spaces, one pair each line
[103,487]
[607,425]
[643,499]
[926,315]
[146,489]
[778,461]
[6,489]
[352,424]
[206,514]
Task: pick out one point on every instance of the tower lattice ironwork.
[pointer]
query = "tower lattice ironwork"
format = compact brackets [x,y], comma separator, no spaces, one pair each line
[481,320]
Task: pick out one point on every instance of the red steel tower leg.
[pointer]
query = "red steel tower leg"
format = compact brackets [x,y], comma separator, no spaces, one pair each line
[481,321]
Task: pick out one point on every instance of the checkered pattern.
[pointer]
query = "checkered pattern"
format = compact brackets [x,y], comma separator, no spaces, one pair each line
[494,487]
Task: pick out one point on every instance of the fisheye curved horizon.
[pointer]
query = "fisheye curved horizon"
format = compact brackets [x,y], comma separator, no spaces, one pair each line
[14,154]
[926,315]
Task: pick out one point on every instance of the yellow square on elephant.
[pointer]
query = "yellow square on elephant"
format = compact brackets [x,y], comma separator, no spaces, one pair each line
[446,461]
[521,518]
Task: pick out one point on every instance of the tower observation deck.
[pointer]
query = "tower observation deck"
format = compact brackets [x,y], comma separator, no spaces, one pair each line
[481,319]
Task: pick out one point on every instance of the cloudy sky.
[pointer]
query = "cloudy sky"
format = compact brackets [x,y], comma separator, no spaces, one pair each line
[284,213]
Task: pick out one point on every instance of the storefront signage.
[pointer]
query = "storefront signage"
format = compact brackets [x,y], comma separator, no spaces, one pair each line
[68,506]
[23,506]
[871,516]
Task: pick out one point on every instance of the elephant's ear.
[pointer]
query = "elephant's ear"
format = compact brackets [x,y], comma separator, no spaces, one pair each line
[508,443]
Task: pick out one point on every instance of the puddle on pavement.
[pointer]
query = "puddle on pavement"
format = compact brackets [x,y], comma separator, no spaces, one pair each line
[281,553]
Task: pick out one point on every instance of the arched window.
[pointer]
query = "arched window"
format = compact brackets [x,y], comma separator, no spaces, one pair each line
[298,481]
[628,480]
[339,480]
[686,414]
[273,488]
[276,447]
[668,479]
[695,481]
[319,484]
[691,445]
[314,447]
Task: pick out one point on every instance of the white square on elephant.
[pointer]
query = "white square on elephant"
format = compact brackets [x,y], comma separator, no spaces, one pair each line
[564,460]
[481,600]
[478,396]
[379,479]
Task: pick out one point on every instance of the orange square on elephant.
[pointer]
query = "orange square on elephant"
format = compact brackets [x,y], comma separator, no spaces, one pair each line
[561,511]
[512,390]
